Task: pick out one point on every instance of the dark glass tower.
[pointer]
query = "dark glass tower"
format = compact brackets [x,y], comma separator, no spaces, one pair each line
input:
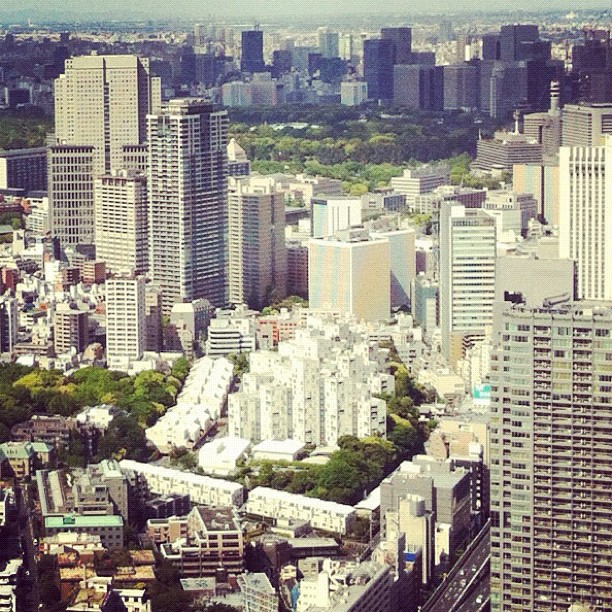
[252,52]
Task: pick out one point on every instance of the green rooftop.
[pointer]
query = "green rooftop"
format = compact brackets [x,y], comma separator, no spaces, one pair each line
[75,520]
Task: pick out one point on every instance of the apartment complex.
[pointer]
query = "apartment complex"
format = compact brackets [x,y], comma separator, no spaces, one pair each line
[550,459]
[70,329]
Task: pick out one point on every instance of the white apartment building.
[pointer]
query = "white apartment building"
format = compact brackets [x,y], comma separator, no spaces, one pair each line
[120,221]
[585,223]
[329,516]
[257,252]
[467,276]
[231,331]
[125,320]
[39,220]
[202,489]
[316,388]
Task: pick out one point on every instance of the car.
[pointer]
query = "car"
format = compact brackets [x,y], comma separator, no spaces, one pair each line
[462,572]
[479,599]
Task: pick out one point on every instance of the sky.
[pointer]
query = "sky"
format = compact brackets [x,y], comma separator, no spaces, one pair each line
[280,8]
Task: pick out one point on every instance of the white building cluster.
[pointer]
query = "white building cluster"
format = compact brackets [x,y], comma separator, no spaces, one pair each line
[326,515]
[318,387]
[198,405]
[202,489]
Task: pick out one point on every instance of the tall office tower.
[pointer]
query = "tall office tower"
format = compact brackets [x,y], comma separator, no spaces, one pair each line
[252,52]
[70,329]
[102,101]
[402,43]
[120,221]
[585,125]
[491,46]
[551,456]
[378,68]
[125,320]
[418,86]
[513,41]
[71,203]
[257,252]
[9,324]
[24,169]
[467,243]
[187,192]
[350,273]
[592,67]
[585,223]
[461,87]
[328,43]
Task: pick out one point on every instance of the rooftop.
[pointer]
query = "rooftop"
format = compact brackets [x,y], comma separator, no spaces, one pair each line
[68,520]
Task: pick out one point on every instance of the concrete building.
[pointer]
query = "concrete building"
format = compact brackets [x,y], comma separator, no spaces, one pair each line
[24,169]
[146,478]
[461,87]
[188,220]
[231,331]
[125,320]
[329,516]
[213,543]
[350,273]
[330,215]
[353,93]
[467,276]
[550,454]
[258,595]
[542,181]
[505,150]
[416,181]
[120,221]
[102,101]
[257,252]
[511,210]
[108,527]
[238,163]
[38,222]
[9,323]
[70,329]
[585,125]
[221,456]
[585,226]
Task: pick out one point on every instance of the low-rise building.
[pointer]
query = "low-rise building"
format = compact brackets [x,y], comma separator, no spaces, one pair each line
[21,459]
[277,450]
[258,595]
[108,527]
[221,456]
[324,515]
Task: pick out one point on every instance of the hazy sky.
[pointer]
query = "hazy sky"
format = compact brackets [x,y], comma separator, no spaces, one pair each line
[270,8]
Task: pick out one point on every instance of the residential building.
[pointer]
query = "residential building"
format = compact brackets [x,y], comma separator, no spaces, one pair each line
[585,197]
[467,276]
[325,515]
[38,221]
[357,274]
[213,543]
[9,323]
[550,454]
[188,220]
[257,253]
[125,320]
[238,163]
[120,221]
[258,595]
[220,457]
[70,329]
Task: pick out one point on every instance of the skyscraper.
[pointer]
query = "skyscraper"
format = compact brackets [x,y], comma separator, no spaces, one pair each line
[402,43]
[120,221]
[378,68]
[328,43]
[257,252]
[101,104]
[467,276]
[585,223]
[513,41]
[187,194]
[252,52]
[103,101]
[551,471]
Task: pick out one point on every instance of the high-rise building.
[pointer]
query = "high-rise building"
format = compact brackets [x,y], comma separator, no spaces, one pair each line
[331,214]
[550,459]
[120,221]
[350,273]
[513,39]
[378,68]
[187,191]
[252,52]
[257,252]
[585,223]
[24,169]
[585,125]
[125,320]
[70,329]
[461,87]
[9,323]
[328,43]
[467,276]
[402,43]
[102,101]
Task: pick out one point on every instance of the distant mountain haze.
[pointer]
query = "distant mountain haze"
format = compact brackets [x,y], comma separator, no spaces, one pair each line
[279,8]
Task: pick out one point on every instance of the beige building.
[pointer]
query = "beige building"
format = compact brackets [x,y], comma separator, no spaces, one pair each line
[125,320]
[585,125]
[120,221]
[351,273]
[70,329]
[257,252]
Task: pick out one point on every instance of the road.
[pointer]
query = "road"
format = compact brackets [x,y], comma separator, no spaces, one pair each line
[31,598]
[477,599]
[464,579]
